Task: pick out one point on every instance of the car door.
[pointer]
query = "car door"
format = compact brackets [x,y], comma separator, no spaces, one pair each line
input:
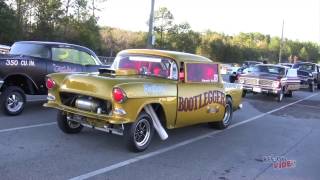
[201,96]
[64,59]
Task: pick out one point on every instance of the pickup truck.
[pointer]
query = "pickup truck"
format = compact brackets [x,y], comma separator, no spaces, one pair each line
[309,74]
[143,91]
[23,70]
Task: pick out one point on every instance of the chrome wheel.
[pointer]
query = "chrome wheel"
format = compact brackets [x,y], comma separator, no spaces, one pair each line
[73,124]
[227,114]
[14,102]
[142,132]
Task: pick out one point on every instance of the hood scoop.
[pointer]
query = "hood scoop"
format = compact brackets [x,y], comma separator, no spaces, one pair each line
[107,71]
[118,72]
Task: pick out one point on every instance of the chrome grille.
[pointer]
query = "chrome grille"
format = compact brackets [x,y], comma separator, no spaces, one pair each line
[251,81]
[264,82]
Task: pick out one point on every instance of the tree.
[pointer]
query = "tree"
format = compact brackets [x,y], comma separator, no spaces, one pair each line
[8,23]
[163,21]
[182,38]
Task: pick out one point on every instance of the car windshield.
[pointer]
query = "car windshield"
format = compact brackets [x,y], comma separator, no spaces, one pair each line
[148,65]
[306,67]
[269,69]
[29,49]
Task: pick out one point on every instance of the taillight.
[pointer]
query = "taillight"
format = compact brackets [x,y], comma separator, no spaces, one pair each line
[50,83]
[119,95]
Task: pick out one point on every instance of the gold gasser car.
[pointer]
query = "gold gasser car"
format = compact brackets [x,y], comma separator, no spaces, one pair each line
[143,91]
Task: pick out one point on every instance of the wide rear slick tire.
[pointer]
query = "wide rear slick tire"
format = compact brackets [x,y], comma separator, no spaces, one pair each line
[138,135]
[13,100]
[227,118]
[67,126]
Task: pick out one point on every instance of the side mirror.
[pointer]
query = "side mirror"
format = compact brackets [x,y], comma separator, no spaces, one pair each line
[181,76]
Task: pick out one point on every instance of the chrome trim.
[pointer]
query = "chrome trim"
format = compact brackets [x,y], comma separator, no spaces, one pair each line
[1,83]
[107,128]
[120,112]
[51,97]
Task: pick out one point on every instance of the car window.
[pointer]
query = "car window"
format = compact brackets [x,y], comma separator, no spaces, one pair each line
[148,65]
[86,59]
[66,55]
[29,49]
[269,69]
[202,72]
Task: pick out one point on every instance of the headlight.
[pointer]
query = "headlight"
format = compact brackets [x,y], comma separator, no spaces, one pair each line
[275,84]
[241,80]
[310,74]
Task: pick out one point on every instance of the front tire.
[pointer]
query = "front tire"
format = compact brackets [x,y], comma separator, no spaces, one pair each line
[13,100]
[226,121]
[138,135]
[244,93]
[280,96]
[311,87]
[67,126]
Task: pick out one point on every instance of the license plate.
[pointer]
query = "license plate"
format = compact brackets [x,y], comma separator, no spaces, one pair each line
[293,87]
[256,89]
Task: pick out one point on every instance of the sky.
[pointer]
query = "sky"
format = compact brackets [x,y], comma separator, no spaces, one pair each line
[301,17]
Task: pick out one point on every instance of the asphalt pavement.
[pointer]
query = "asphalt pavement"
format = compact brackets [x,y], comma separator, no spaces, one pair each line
[32,146]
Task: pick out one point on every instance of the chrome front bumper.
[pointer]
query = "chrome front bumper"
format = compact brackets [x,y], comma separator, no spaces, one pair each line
[259,89]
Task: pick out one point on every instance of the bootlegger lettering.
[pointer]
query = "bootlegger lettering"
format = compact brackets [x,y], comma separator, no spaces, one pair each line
[201,100]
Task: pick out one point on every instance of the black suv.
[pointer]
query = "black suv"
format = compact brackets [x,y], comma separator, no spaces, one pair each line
[309,74]
[24,69]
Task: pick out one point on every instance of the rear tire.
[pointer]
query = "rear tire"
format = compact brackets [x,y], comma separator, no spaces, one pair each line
[13,100]
[225,122]
[67,126]
[138,135]
[289,94]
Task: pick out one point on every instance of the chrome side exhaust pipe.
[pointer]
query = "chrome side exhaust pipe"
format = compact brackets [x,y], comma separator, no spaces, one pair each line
[156,122]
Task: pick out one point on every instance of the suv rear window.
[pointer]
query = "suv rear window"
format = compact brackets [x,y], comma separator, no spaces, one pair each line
[29,49]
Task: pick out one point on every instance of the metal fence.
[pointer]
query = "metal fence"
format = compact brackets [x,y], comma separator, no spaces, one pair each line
[106,60]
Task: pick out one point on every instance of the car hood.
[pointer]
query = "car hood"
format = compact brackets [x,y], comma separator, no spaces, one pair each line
[262,76]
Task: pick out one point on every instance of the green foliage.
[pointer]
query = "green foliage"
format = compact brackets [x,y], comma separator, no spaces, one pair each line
[8,25]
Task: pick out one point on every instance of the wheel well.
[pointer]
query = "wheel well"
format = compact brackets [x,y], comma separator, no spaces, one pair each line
[228,96]
[160,113]
[21,81]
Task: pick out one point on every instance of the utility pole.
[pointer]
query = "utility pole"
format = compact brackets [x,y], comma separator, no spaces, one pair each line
[150,34]
[281,43]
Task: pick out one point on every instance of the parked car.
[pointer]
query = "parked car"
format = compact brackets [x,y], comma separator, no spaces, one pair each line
[289,65]
[309,74]
[144,90]
[270,79]
[23,70]
[224,68]
[4,49]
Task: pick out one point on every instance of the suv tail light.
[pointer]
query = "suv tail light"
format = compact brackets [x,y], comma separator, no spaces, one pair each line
[50,84]
[119,95]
